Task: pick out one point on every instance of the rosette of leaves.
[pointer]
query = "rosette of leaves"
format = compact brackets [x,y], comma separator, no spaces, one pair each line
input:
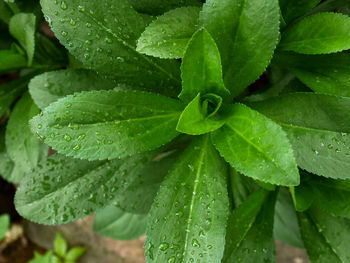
[216,167]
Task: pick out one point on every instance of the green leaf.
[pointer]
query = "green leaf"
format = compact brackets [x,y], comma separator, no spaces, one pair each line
[22,145]
[318,34]
[103,36]
[142,188]
[5,12]
[303,196]
[331,235]
[60,245]
[327,74]
[51,86]
[168,35]
[114,223]
[61,189]
[246,32]
[319,133]
[9,91]
[22,27]
[249,235]
[6,164]
[257,147]
[11,60]
[201,68]
[194,121]
[332,196]
[75,253]
[4,225]
[292,9]
[39,258]
[158,7]
[108,124]
[330,6]
[188,217]
[286,226]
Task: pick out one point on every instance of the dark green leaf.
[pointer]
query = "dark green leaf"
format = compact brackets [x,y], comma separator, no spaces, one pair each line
[303,196]
[286,227]
[319,132]
[63,189]
[23,147]
[158,7]
[318,34]
[327,74]
[292,9]
[22,27]
[51,86]
[103,36]
[5,12]
[201,68]
[249,236]
[168,35]
[256,147]
[188,217]
[11,60]
[108,124]
[114,223]
[194,121]
[246,32]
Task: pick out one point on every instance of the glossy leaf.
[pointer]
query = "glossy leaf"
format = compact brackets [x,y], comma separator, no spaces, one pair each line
[22,27]
[252,240]
[4,225]
[246,32]
[51,86]
[332,196]
[23,147]
[194,121]
[201,68]
[168,35]
[307,37]
[103,36]
[319,132]
[292,9]
[286,226]
[327,74]
[256,147]
[63,189]
[114,223]
[120,123]
[158,7]
[188,217]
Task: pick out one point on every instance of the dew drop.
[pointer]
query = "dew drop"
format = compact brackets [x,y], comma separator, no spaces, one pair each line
[163,246]
[64,5]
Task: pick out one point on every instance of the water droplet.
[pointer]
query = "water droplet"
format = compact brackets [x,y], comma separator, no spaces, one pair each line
[64,33]
[195,243]
[39,126]
[108,40]
[64,5]
[76,148]
[67,138]
[163,246]
[88,25]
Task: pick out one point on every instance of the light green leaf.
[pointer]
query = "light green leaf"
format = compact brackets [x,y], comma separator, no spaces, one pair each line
[322,33]
[292,9]
[23,147]
[60,245]
[103,36]
[158,7]
[63,189]
[22,27]
[251,241]
[188,217]
[319,133]
[327,74]
[9,91]
[332,196]
[75,253]
[168,35]
[257,147]
[108,124]
[11,60]
[246,32]
[195,121]
[201,68]
[39,258]
[114,223]
[286,226]
[51,86]
[4,225]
